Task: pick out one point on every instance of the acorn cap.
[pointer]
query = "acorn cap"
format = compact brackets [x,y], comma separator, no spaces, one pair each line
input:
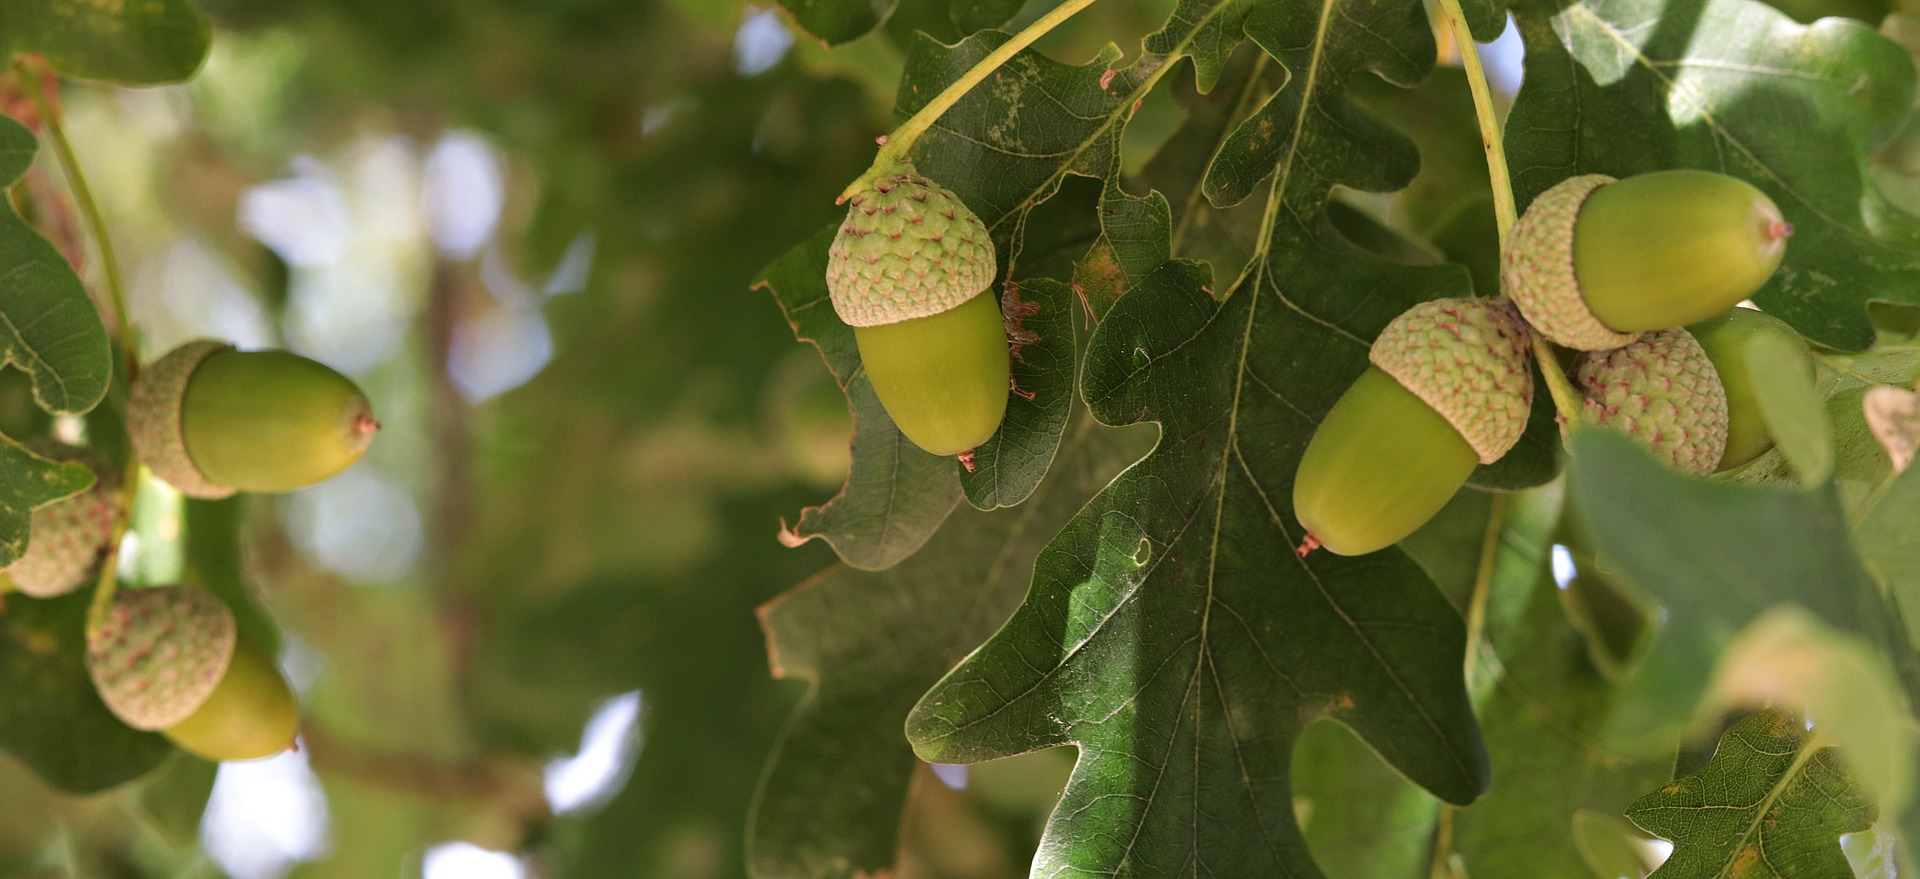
[68,536]
[153,419]
[1663,391]
[1469,360]
[1538,274]
[908,248]
[160,653]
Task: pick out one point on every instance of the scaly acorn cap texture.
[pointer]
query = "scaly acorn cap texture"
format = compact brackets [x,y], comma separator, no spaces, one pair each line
[1663,391]
[908,248]
[160,653]
[1538,275]
[68,536]
[1469,359]
[153,419]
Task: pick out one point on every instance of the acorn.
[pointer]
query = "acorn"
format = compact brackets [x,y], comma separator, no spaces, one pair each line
[250,714]
[1594,262]
[1663,391]
[910,271]
[1449,387]
[67,538]
[212,420]
[1724,339]
[168,659]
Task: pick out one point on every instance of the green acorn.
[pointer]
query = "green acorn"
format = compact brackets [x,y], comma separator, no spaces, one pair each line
[211,420]
[67,538]
[250,714]
[911,271]
[1663,391]
[168,659]
[1724,339]
[1594,262]
[1450,386]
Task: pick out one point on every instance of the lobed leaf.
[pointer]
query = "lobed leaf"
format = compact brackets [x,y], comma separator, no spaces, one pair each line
[48,325]
[1773,802]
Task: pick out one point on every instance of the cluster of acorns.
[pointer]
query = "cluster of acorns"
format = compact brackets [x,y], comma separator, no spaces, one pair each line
[1642,275]
[211,421]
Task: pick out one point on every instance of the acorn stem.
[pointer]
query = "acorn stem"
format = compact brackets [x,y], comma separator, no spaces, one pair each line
[1566,400]
[83,195]
[109,579]
[1504,212]
[894,146]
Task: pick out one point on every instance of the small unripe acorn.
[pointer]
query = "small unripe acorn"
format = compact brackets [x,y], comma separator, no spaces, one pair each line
[1450,386]
[159,653]
[1724,339]
[250,714]
[1594,262]
[68,537]
[211,420]
[910,271]
[1663,391]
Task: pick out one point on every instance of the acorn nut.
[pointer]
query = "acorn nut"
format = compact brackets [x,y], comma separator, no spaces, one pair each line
[1594,262]
[168,659]
[1663,391]
[211,420]
[1450,387]
[1725,340]
[910,271]
[67,538]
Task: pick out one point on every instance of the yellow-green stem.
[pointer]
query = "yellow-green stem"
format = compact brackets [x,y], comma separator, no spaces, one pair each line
[1504,213]
[1566,400]
[1483,582]
[109,581]
[70,165]
[902,138]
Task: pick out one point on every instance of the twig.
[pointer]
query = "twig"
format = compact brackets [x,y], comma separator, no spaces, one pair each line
[896,144]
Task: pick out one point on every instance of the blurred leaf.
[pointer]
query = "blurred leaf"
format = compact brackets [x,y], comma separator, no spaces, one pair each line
[896,495]
[175,798]
[841,21]
[1610,846]
[870,643]
[1893,414]
[1788,659]
[1623,87]
[1792,409]
[1171,632]
[132,42]
[48,325]
[51,718]
[28,481]
[1772,803]
[1715,555]
[1361,819]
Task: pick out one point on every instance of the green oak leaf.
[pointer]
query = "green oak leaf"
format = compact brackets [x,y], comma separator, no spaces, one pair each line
[130,42]
[871,642]
[1171,632]
[28,481]
[1623,87]
[1773,802]
[1715,555]
[1360,817]
[52,719]
[48,325]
